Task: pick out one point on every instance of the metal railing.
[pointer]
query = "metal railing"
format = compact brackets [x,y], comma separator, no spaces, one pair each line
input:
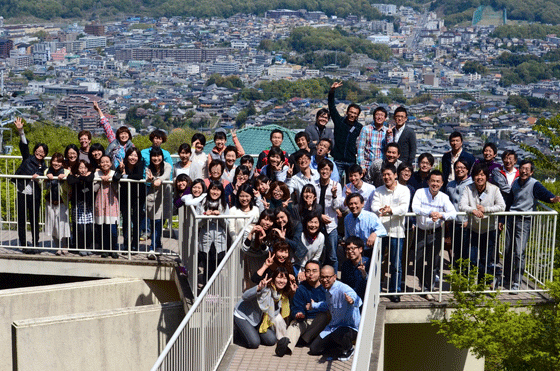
[66,225]
[485,245]
[203,336]
[366,331]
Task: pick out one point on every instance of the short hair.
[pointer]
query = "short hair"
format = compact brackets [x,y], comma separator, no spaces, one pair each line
[427,156]
[185,147]
[93,148]
[300,153]
[219,135]
[247,158]
[200,137]
[389,167]
[303,134]
[84,132]
[123,129]
[325,162]
[261,178]
[77,165]
[160,134]
[230,149]
[328,140]
[283,187]
[241,169]
[321,112]
[308,217]
[380,109]
[455,134]
[316,262]
[354,240]
[355,168]
[353,195]
[57,156]
[394,145]
[509,152]
[400,109]
[527,161]
[492,146]
[43,146]
[403,166]
[219,163]
[354,105]
[478,167]
[276,131]
[461,161]
[435,172]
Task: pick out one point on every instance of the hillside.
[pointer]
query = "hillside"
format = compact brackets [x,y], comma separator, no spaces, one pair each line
[90,9]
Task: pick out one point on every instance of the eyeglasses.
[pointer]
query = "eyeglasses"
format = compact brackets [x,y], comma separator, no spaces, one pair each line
[327,277]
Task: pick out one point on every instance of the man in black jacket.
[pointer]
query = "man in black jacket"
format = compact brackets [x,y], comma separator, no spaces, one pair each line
[346,132]
[403,135]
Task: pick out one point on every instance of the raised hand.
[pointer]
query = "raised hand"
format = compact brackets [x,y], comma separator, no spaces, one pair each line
[348,190]
[290,171]
[362,268]
[334,189]
[270,260]
[336,85]
[264,282]
[19,123]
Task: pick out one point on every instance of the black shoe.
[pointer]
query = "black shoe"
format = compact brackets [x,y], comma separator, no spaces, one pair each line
[346,355]
[282,346]
[114,255]
[395,298]
[104,255]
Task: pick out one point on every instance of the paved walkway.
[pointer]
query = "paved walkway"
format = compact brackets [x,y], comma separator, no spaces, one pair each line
[264,358]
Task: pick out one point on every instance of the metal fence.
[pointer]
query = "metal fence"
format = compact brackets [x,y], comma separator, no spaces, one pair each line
[512,251]
[203,336]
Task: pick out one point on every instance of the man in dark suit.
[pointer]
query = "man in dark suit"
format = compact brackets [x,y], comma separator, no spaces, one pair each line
[403,135]
[449,158]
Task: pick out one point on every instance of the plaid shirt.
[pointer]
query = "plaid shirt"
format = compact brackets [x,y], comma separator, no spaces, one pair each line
[370,145]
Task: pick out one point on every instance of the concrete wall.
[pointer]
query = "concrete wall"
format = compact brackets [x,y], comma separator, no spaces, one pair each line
[417,346]
[119,340]
[72,298]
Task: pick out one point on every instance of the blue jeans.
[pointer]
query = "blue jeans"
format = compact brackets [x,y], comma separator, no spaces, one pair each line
[331,245]
[156,234]
[395,246]
[343,169]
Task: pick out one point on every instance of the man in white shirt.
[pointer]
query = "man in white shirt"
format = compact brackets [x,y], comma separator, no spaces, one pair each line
[433,208]
[357,185]
[329,196]
[306,174]
[390,203]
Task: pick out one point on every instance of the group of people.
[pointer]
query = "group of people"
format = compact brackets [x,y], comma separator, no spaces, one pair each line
[293,293]
[300,210]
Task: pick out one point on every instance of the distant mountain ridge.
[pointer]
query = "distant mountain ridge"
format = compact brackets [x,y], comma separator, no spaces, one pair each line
[89,9]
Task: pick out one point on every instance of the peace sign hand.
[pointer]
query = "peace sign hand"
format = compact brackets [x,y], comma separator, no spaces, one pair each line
[270,260]
[264,282]
[290,171]
[336,84]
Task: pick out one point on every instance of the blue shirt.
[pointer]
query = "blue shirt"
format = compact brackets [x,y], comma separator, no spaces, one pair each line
[334,175]
[304,294]
[352,276]
[365,224]
[343,314]
[146,158]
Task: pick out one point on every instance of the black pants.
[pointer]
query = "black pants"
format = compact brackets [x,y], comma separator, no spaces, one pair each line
[83,236]
[335,344]
[28,206]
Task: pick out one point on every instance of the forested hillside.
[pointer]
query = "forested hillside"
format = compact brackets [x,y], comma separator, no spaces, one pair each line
[88,9]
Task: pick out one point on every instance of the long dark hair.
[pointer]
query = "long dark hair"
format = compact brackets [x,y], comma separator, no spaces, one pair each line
[274,151]
[95,147]
[241,169]
[282,271]
[307,219]
[66,150]
[247,189]
[221,200]
[289,225]
[154,152]
[128,153]
[302,209]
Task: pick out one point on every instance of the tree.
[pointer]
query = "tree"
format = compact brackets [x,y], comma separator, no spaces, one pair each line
[509,337]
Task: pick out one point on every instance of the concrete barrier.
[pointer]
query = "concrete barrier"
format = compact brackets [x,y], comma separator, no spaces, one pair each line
[119,340]
[71,298]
